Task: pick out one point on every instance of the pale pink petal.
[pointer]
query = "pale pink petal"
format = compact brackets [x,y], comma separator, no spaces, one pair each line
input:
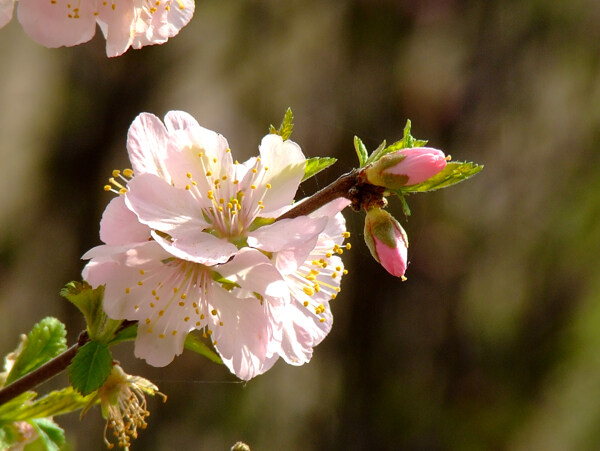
[165,22]
[117,22]
[163,207]
[303,330]
[54,24]
[6,11]
[286,164]
[155,351]
[243,340]
[180,120]
[206,249]
[147,146]
[119,225]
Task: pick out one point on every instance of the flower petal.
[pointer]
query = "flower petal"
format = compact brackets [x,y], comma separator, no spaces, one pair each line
[58,23]
[286,164]
[119,225]
[147,146]
[117,22]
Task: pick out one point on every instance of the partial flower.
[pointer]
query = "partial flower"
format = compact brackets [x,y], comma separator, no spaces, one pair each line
[122,399]
[406,167]
[127,23]
[387,241]
[191,243]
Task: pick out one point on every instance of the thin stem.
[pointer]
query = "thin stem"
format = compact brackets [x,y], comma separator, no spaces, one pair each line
[45,372]
[340,188]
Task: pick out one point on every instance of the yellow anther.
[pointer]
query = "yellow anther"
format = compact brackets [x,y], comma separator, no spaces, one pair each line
[175,289]
[174,332]
[215,160]
[253,186]
[202,316]
[186,319]
[142,272]
[224,178]
[254,170]
[116,173]
[197,323]
[161,335]
[148,321]
[220,323]
[346,234]
[140,283]
[334,275]
[345,271]
[127,290]
[128,173]
[189,175]
[268,186]
[348,246]
[221,201]
[107,188]
[305,303]
[183,295]
[208,173]
[187,187]
[317,287]
[152,305]
[161,312]
[308,290]
[181,303]
[322,320]
[213,312]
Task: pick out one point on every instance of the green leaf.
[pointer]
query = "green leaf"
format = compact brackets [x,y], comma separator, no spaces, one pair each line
[54,403]
[46,340]
[453,173]
[52,436]
[194,343]
[127,334]
[90,367]
[8,409]
[89,301]
[407,142]
[317,164]
[285,129]
[361,151]
[260,222]
[377,153]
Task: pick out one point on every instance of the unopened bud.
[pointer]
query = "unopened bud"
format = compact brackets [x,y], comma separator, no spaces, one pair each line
[387,241]
[406,167]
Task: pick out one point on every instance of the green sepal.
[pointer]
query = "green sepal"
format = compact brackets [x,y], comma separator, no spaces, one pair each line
[46,340]
[454,172]
[317,164]
[285,129]
[127,334]
[51,435]
[404,204]
[259,222]
[54,403]
[195,344]
[90,367]
[361,151]
[89,301]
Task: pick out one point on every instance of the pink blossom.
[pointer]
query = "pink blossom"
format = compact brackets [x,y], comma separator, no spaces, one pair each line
[125,23]
[387,241]
[406,167]
[190,243]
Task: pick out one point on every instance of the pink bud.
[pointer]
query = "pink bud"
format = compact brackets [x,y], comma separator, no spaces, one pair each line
[387,241]
[406,167]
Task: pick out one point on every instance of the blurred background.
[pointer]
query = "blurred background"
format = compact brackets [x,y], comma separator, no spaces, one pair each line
[492,343]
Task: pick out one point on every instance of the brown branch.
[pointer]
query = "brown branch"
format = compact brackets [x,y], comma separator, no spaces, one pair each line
[45,372]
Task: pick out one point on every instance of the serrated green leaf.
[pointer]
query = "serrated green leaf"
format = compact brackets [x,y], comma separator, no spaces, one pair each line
[361,151]
[54,403]
[51,435]
[453,173]
[90,367]
[317,164]
[46,340]
[195,344]
[127,334]
[89,301]
[285,129]
[407,142]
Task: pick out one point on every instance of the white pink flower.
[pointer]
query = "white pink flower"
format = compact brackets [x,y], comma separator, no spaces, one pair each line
[191,244]
[124,23]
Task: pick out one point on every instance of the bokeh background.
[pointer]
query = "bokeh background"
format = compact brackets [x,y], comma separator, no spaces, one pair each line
[492,343]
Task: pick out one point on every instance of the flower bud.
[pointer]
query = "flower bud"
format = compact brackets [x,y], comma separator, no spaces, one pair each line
[387,241]
[406,167]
